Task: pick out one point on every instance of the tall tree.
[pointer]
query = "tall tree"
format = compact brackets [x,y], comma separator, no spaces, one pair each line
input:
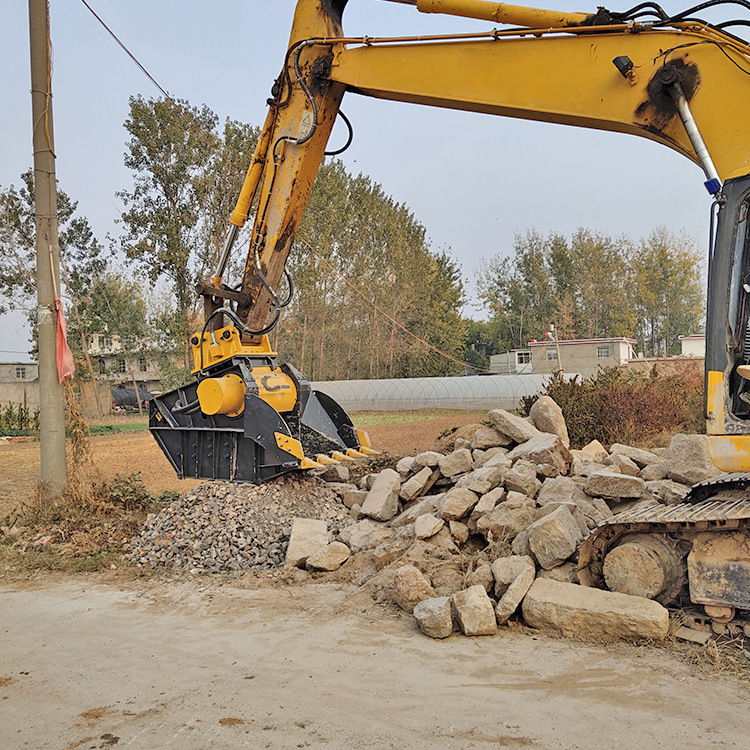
[171,143]
[668,290]
[81,254]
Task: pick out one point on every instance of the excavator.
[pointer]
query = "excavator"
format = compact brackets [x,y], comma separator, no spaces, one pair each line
[672,78]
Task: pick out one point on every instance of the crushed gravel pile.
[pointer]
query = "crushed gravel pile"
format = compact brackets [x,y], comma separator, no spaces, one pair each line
[221,526]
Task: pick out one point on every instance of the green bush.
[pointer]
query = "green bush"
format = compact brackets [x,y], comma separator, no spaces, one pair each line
[16,419]
[627,407]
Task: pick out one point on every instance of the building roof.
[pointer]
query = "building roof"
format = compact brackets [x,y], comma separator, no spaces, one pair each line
[551,342]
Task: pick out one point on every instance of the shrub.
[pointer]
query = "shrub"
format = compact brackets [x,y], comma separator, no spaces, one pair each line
[16,419]
[627,407]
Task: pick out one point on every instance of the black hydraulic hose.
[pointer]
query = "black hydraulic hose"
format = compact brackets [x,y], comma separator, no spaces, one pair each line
[348,140]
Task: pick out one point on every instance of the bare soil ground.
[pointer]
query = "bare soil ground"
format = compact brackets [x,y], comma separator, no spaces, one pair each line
[88,663]
[129,452]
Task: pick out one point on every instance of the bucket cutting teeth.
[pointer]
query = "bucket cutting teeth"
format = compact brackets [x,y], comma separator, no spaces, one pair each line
[339,456]
[365,451]
[353,453]
[326,460]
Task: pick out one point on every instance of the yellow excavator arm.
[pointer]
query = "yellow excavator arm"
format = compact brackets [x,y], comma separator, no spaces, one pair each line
[674,80]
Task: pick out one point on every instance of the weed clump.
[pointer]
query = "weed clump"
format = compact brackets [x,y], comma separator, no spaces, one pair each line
[627,407]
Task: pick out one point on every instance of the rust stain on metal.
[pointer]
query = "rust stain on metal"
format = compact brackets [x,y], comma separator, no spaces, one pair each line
[658,110]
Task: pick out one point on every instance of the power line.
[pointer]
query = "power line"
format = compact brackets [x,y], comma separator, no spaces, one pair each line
[128,52]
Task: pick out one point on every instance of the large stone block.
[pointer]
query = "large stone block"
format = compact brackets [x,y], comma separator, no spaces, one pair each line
[410,587]
[505,522]
[560,490]
[638,455]
[623,463]
[427,525]
[611,484]
[458,502]
[593,451]
[485,479]
[474,611]
[458,462]
[543,449]
[689,459]
[554,538]
[413,487]
[547,416]
[516,428]
[522,478]
[486,437]
[309,535]
[382,500]
[428,458]
[331,557]
[592,613]
[513,578]
[435,616]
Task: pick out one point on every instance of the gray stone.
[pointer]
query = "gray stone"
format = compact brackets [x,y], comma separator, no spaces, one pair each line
[554,538]
[462,443]
[517,499]
[522,478]
[593,451]
[354,497]
[623,463]
[505,523]
[309,535]
[482,576]
[458,502]
[520,545]
[481,457]
[547,416]
[382,500]
[430,504]
[689,459]
[574,510]
[516,428]
[513,577]
[427,525]
[428,458]
[486,437]
[667,492]
[485,479]
[356,512]
[565,573]
[414,487]
[443,541]
[498,459]
[485,505]
[613,485]
[459,531]
[474,611]
[543,449]
[410,587]
[654,472]
[587,612]
[559,490]
[404,466]
[331,557]
[435,616]
[336,473]
[638,455]
[458,462]
[341,488]
[587,469]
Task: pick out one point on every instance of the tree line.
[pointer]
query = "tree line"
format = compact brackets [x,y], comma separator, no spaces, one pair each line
[363,267]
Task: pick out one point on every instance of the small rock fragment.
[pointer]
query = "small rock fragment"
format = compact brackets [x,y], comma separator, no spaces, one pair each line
[410,587]
[427,525]
[458,462]
[331,557]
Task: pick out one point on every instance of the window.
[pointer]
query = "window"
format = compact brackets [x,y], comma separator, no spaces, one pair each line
[121,365]
[523,358]
[106,343]
[551,354]
[142,364]
[602,352]
[20,373]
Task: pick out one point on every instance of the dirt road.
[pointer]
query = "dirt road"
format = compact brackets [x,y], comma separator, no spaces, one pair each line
[165,664]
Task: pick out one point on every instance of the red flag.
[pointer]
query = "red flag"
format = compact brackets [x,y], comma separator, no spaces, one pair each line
[65,365]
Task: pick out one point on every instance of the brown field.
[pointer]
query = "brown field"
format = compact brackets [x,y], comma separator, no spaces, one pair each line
[129,452]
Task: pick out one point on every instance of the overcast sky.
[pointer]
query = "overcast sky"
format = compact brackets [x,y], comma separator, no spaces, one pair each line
[472,180]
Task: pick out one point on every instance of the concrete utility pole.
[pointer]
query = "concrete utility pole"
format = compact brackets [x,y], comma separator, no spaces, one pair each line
[51,397]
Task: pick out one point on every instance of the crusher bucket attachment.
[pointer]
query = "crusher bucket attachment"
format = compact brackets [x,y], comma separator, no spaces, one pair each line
[247,419]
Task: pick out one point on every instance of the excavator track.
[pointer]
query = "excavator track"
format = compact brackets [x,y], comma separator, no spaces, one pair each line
[720,526]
